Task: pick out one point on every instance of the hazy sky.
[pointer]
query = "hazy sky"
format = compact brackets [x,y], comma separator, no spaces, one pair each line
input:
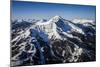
[37,10]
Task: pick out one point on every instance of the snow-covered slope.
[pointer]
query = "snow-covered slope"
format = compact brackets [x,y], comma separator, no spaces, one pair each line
[56,24]
[48,27]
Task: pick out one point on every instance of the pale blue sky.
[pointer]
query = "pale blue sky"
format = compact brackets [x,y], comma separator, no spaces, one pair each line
[39,10]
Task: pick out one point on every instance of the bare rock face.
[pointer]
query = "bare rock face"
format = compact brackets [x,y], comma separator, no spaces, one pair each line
[54,41]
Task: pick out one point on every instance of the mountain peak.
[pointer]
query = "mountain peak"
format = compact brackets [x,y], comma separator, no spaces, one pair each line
[57,17]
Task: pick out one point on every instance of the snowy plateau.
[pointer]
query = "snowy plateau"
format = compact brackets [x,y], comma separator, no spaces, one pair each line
[52,41]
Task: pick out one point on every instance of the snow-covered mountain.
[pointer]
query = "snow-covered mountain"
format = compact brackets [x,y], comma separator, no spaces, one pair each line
[82,21]
[52,41]
[57,25]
